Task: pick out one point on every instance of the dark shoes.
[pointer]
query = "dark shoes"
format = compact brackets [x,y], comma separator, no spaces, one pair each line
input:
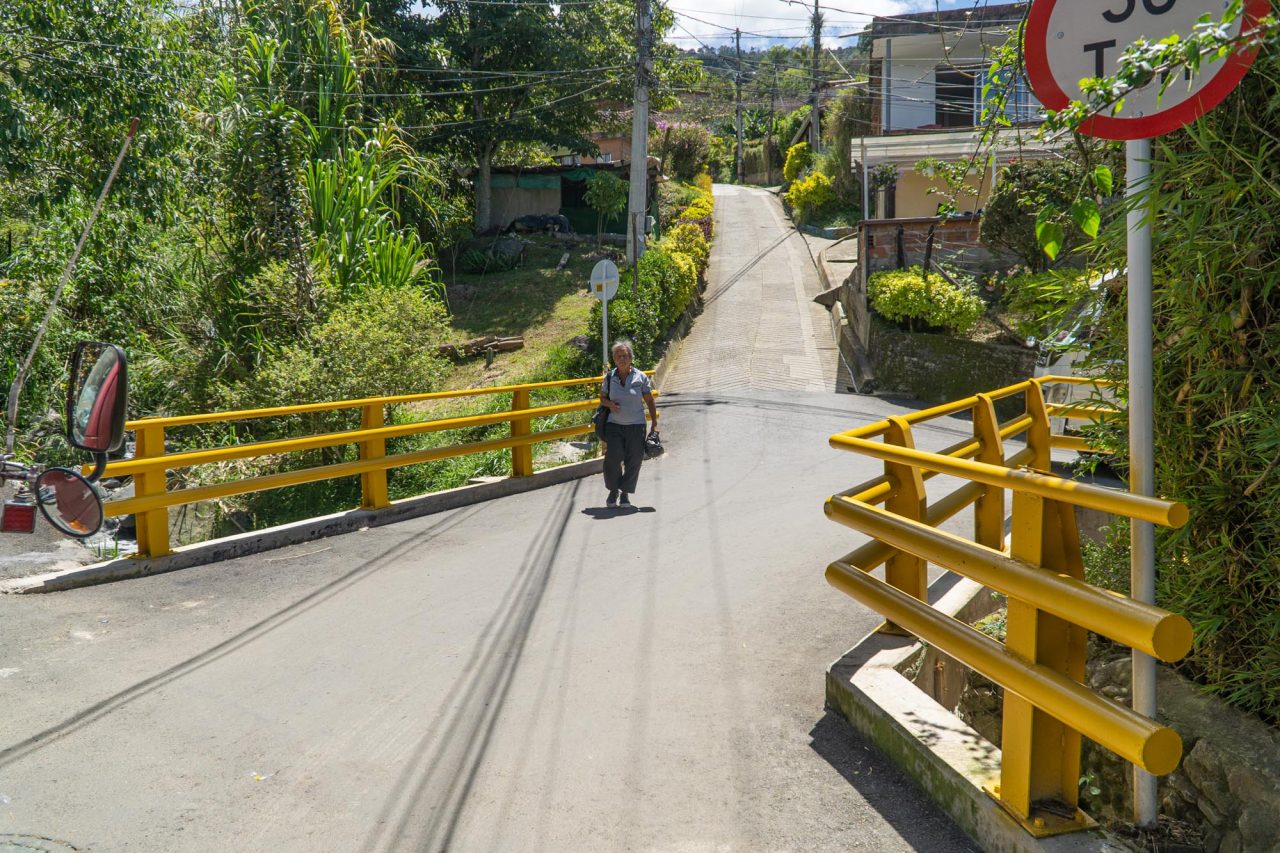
[613,498]
[624,501]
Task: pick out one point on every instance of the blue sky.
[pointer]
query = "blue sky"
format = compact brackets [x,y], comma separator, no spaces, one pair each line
[765,22]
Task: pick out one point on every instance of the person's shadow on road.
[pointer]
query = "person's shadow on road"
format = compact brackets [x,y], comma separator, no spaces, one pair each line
[603,513]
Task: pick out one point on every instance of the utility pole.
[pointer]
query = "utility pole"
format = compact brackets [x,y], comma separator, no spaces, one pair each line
[737,100]
[768,153]
[637,201]
[817,82]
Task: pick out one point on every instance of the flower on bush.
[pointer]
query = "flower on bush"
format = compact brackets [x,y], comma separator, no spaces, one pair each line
[906,298]
[700,212]
[810,195]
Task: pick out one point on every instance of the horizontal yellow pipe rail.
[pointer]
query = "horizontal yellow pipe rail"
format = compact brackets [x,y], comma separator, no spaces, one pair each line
[171,461]
[327,472]
[1071,442]
[1165,513]
[1082,411]
[954,408]
[1135,738]
[307,408]
[1145,627]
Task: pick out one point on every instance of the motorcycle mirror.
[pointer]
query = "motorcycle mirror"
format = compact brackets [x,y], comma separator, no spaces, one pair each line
[96,398]
[69,502]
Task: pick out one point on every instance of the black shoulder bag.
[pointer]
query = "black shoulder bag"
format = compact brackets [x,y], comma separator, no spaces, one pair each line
[601,417]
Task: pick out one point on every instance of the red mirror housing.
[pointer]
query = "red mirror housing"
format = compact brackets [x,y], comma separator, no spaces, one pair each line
[97,398]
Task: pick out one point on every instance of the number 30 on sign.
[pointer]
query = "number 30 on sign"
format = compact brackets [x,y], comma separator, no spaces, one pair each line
[1068,41]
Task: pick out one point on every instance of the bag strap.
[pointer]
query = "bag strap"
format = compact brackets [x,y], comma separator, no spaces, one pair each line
[606,383]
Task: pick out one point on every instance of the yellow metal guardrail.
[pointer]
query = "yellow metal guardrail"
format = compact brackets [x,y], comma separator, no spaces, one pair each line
[151,465]
[1050,607]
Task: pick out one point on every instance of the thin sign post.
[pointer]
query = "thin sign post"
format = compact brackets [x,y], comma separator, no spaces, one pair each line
[1068,41]
[604,286]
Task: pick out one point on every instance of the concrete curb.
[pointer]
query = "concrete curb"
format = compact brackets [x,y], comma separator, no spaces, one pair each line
[258,541]
[946,757]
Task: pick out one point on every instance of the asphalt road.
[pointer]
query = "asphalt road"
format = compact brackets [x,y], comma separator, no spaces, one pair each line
[534,673]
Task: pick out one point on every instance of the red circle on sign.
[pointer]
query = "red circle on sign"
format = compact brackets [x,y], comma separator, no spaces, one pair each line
[1159,123]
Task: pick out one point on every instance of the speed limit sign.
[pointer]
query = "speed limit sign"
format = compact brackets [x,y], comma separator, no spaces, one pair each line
[1069,41]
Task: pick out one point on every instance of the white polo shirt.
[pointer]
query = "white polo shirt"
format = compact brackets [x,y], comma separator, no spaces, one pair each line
[629,393]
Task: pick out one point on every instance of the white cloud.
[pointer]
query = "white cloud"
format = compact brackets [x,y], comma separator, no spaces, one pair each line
[765,22]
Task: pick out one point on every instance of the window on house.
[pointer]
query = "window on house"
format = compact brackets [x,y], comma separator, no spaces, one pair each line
[1021,104]
[953,97]
[606,157]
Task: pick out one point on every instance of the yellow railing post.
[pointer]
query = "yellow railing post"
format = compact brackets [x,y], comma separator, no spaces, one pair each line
[1041,755]
[905,571]
[1041,665]
[988,519]
[373,484]
[1039,437]
[152,525]
[522,455]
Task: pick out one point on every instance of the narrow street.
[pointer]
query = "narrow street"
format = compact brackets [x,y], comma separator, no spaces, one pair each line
[761,329]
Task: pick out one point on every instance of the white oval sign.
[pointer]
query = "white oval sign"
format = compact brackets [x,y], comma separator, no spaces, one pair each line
[1068,41]
[604,280]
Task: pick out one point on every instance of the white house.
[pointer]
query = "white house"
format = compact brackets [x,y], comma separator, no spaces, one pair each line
[926,80]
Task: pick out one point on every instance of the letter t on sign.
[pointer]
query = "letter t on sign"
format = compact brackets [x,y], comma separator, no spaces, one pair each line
[1099,49]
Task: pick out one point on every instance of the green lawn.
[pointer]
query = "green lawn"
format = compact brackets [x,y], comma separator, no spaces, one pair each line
[546,307]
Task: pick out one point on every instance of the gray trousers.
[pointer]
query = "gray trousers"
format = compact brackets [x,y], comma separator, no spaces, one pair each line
[624,451]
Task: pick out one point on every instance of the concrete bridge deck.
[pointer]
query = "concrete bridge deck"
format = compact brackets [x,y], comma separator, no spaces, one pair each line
[533,673]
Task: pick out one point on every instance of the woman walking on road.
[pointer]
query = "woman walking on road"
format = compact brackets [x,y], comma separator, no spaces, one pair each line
[626,392]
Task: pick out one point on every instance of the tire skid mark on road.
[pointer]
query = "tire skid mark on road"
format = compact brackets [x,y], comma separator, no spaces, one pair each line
[427,804]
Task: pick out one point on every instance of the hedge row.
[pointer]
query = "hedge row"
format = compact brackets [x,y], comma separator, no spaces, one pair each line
[668,279]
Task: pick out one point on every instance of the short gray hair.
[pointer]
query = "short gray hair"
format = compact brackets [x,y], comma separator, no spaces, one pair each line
[624,344]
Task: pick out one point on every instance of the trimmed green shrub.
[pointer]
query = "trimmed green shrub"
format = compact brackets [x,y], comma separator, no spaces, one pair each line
[701,212]
[906,298]
[687,239]
[810,196]
[799,159]
[668,283]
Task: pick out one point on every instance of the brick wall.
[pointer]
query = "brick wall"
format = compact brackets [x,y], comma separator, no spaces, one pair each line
[955,240]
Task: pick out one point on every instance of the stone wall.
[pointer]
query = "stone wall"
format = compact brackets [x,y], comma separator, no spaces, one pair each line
[939,368]
[1228,785]
[1227,788]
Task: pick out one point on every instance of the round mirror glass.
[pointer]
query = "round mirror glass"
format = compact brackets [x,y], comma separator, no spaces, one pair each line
[69,502]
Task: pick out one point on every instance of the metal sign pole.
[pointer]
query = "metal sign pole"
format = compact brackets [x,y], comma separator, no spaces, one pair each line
[1142,571]
[604,306]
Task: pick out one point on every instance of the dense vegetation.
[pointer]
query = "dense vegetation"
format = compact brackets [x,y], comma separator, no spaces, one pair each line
[278,231]
[1213,196]
[1217,375]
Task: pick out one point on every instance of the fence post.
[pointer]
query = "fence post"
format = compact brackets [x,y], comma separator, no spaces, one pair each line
[988,519]
[1041,756]
[521,456]
[152,525]
[904,571]
[373,484]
